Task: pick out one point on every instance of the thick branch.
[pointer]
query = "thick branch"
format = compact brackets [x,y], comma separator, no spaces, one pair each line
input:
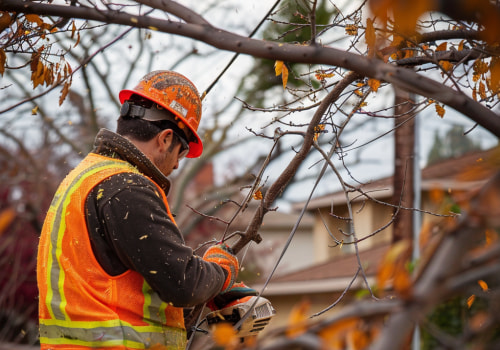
[402,78]
[279,185]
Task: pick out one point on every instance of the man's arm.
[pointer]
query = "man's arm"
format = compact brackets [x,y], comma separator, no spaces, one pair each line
[133,224]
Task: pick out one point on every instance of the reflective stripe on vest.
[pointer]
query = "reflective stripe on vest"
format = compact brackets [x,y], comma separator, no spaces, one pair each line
[111,334]
[155,323]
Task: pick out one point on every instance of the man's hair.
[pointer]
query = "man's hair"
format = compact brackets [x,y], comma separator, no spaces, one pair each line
[144,130]
[140,129]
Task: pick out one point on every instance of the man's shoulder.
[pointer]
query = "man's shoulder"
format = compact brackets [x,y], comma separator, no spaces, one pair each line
[122,183]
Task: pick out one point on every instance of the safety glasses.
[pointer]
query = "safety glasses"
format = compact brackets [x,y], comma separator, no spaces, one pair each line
[184,146]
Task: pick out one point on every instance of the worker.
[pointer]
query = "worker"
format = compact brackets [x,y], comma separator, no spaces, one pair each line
[113,269]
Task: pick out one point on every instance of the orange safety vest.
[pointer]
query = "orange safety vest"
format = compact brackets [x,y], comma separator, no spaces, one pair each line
[81,306]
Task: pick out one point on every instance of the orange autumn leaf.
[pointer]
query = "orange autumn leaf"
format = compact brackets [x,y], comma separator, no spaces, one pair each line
[482,90]
[370,37]
[446,65]
[224,334]
[5,19]
[317,131]
[297,318]
[392,268]
[278,67]
[284,76]
[64,92]
[351,29]
[491,237]
[6,218]
[470,300]
[402,282]
[483,285]
[333,336]
[374,84]
[3,61]
[281,69]
[461,45]
[442,47]
[436,195]
[257,195]
[358,340]
[440,110]
[495,77]
[34,19]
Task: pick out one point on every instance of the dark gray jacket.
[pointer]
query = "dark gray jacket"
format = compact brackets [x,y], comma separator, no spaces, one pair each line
[129,229]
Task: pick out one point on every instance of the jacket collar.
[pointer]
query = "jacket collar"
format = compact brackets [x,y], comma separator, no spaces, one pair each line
[111,144]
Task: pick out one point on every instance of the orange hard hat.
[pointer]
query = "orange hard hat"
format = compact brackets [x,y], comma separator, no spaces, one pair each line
[176,93]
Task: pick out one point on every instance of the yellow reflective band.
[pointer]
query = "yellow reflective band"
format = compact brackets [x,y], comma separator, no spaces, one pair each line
[110,333]
[55,273]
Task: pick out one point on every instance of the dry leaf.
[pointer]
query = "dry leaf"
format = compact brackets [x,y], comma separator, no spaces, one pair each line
[64,92]
[351,29]
[374,84]
[3,61]
[483,285]
[491,237]
[224,334]
[442,46]
[284,76]
[278,67]
[333,337]
[257,195]
[357,339]
[370,37]
[6,218]
[440,110]
[297,318]
[446,65]
[470,300]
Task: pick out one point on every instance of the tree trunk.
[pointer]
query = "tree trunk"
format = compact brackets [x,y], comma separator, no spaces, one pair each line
[404,139]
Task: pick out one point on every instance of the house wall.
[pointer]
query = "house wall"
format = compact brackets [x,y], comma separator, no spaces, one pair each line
[368,217]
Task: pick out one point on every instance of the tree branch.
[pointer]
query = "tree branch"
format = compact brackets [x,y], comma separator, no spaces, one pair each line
[402,78]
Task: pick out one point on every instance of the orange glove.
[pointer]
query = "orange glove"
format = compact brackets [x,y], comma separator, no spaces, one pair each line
[234,294]
[222,255]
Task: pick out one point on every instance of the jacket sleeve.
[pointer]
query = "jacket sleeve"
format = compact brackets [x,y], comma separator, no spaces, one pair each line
[137,228]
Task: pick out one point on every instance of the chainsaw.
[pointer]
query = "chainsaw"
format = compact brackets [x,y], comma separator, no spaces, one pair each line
[249,314]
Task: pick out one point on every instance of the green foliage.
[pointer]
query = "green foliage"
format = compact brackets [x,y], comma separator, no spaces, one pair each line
[452,319]
[454,144]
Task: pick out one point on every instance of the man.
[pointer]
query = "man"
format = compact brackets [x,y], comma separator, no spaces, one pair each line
[113,271]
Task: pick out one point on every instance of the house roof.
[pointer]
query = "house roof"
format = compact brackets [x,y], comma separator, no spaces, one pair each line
[460,173]
[333,275]
[466,172]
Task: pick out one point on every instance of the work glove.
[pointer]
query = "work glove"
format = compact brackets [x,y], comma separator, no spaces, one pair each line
[222,255]
[236,292]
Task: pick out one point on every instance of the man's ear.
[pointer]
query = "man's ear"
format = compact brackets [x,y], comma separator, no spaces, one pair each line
[165,138]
